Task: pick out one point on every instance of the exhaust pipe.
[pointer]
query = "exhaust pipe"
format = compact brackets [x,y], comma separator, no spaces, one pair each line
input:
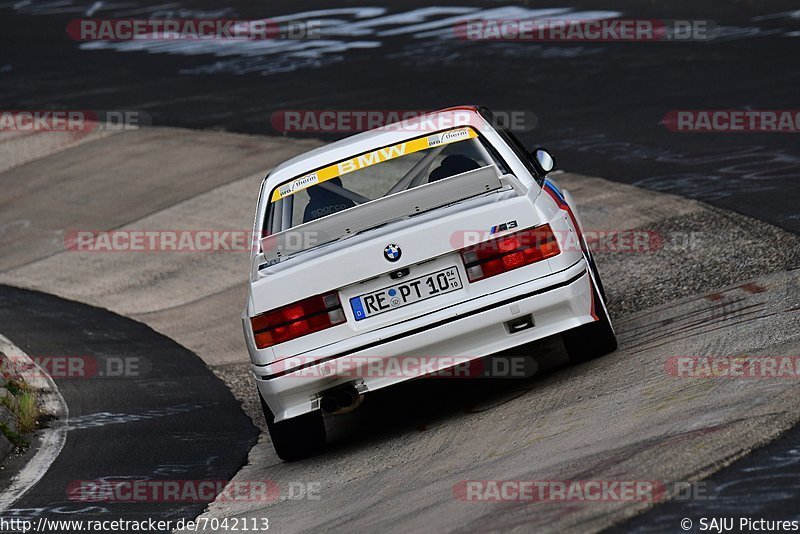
[346,397]
[340,400]
[329,404]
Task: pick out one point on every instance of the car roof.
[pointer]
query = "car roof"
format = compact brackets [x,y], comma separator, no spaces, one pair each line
[372,139]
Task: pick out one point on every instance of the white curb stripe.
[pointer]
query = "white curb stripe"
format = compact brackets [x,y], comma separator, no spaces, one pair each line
[52,438]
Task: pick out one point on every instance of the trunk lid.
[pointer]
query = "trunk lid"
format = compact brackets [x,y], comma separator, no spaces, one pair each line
[355,266]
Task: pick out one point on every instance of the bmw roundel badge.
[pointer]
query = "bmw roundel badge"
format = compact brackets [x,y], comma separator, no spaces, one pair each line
[392,252]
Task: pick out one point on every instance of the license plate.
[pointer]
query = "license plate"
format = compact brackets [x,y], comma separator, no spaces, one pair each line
[404,293]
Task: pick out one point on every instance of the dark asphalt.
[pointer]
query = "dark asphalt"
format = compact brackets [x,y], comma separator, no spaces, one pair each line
[765,485]
[599,107]
[170,420]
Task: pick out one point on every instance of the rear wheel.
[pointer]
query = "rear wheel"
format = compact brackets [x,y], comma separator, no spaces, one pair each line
[298,437]
[591,340]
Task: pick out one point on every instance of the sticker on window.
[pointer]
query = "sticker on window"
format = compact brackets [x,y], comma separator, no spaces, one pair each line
[371,158]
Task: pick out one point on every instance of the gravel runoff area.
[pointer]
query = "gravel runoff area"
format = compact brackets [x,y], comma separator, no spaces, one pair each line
[699,252]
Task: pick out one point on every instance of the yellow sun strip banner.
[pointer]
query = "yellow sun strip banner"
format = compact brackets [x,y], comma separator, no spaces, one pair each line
[372,158]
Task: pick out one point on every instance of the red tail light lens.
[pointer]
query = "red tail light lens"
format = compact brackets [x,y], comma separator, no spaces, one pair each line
[509,252]
[298,319]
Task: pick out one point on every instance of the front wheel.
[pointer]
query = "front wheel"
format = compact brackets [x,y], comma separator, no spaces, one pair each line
[591,340]
[298,437]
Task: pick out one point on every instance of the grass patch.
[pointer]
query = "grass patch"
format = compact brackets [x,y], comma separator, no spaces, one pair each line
[21,400]
[27,412]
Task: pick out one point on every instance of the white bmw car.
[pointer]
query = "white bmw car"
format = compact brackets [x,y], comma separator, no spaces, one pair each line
[407,251]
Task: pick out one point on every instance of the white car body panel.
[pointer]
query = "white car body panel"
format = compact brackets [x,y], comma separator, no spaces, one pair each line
[467,323]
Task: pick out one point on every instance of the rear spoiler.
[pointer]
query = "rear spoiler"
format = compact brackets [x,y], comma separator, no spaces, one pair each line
[378,212]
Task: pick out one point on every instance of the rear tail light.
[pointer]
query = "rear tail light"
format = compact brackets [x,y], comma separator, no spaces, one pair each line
[295,320]
[509,252]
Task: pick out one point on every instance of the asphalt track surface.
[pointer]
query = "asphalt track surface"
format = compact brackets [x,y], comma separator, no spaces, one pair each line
[598,106]
[171,419]
[166,418]
[764,484]
[619,417]
[396,462]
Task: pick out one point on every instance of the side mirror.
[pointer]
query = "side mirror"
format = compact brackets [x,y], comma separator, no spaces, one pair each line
[543,159]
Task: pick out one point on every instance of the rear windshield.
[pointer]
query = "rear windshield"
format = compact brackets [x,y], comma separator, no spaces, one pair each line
[376,174]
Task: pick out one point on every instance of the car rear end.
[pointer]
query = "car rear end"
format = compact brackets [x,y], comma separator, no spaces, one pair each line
[496,265]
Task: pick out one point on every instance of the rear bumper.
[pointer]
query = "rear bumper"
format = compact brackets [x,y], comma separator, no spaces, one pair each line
[466,331]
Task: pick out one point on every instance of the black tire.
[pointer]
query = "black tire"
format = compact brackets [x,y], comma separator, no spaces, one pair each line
[591,340]
[298,437]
